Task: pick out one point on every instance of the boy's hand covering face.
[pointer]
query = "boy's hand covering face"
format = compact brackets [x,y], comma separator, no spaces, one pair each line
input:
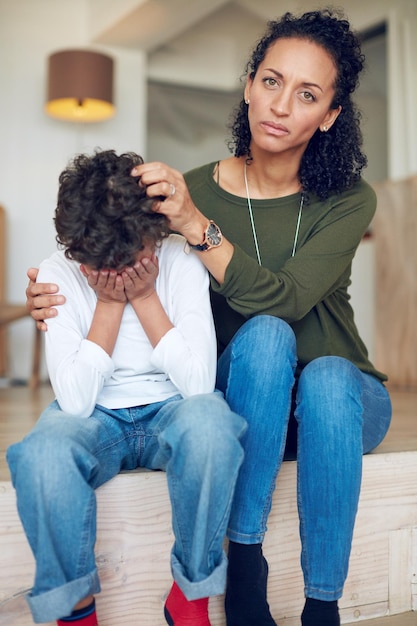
[128,284]
[139,280]
[107,284]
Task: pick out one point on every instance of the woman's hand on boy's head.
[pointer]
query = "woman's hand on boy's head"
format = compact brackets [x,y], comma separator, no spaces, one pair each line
[139,280]
[162,181]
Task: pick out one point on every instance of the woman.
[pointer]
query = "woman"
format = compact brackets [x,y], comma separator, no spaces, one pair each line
[277,226]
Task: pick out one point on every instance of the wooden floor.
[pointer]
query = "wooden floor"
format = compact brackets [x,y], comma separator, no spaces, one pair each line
[405,619]
[20,408]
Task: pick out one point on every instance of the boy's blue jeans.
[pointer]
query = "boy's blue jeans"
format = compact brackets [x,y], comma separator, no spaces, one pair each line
[60,463]
[341,414]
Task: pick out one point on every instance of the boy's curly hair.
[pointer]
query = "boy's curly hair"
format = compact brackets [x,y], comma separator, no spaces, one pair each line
[103,217]
[333,161]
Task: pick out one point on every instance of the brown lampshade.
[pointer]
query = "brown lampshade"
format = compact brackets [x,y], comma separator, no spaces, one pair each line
[80,86]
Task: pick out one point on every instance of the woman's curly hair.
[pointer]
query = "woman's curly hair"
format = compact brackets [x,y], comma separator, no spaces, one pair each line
[103,217]
[333,161]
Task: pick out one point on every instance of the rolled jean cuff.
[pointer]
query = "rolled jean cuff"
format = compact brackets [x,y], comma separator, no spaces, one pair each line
[322,594]
[213,585]
[248,540]
[60,602]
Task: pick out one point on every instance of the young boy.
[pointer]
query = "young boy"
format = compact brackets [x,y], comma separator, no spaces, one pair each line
[132,360]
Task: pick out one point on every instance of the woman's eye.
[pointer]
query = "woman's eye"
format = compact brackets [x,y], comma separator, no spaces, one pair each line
[271,82]
[307,95]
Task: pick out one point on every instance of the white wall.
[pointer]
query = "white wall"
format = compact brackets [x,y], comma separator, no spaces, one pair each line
[35,148]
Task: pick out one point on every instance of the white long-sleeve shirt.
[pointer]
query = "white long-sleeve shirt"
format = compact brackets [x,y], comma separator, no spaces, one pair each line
[82,374]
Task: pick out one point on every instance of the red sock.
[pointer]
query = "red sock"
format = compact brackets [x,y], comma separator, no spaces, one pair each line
[90,620]
[182,612]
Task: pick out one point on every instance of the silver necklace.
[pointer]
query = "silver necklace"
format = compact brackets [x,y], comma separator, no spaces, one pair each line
[252,221]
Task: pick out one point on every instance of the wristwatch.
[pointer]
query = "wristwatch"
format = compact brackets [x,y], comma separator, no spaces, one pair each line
[212,238]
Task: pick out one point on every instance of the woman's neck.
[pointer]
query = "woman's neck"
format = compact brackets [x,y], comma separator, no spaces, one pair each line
[273,175]
[266,177]
[270,181]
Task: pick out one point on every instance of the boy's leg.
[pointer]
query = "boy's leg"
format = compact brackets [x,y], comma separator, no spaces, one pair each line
[198,447]
[55,470]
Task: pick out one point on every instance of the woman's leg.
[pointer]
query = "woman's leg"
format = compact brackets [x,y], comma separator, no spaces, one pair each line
[256,373]
[55,470]
[341,413]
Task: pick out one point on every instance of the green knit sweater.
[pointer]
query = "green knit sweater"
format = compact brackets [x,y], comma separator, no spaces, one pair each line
[308,290]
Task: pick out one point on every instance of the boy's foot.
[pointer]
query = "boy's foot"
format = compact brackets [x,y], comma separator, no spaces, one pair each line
[182,612]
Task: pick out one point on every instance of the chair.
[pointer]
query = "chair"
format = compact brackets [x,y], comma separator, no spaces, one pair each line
[11,312]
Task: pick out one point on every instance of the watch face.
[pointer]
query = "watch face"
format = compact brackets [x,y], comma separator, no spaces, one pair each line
[213,235]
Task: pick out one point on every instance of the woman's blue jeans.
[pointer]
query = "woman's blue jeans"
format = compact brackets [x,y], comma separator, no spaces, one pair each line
[341,413]
[60,463]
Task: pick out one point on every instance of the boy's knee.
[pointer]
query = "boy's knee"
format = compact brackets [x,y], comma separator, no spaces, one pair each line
[34,451]
[205,425]
[210,414]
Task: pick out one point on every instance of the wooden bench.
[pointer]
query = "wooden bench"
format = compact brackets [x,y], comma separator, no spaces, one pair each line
[135,538]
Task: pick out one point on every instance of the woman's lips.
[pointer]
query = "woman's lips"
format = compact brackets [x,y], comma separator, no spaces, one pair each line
[275,129]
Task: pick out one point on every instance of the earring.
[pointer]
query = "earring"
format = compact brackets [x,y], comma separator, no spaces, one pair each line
[247,101]
[325,129]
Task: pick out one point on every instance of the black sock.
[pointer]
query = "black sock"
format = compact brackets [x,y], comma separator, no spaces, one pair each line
[247,574]
[320,613]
